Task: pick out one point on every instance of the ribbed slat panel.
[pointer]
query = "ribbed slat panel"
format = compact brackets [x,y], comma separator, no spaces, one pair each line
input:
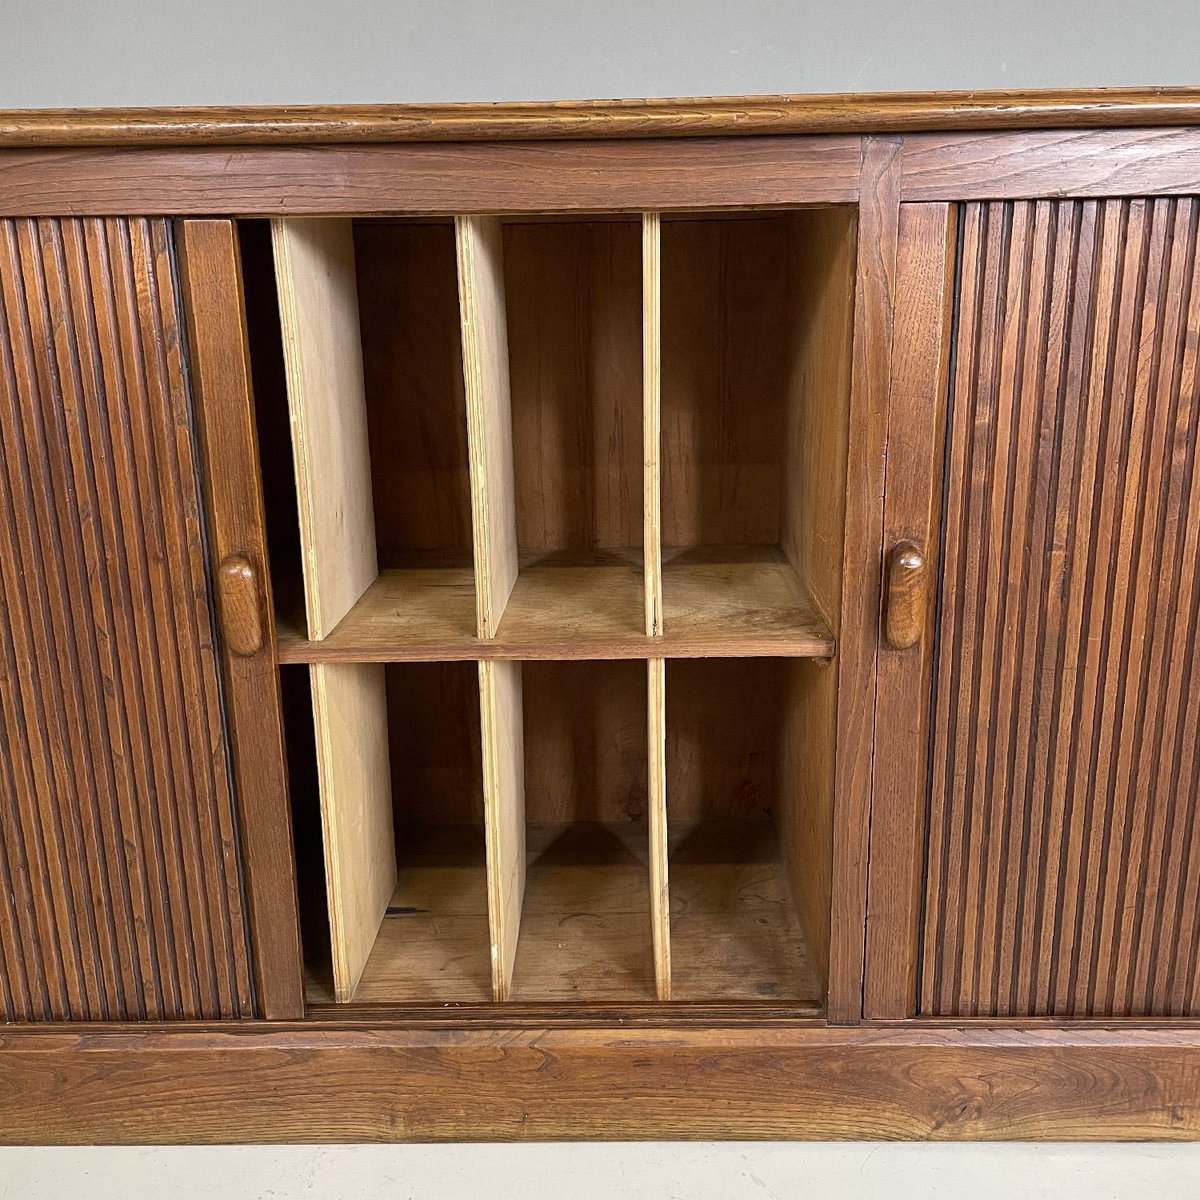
[1063,861]
[120,887]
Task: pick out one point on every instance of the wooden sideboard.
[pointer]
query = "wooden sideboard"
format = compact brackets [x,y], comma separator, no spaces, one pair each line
[630,619]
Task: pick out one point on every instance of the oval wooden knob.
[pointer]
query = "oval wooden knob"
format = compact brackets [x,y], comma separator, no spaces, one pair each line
[238,603]
[905,600]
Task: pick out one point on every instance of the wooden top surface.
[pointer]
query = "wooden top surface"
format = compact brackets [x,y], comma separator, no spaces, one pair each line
[690,117]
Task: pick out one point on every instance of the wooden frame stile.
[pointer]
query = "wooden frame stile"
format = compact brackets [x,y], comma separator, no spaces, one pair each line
[211,286]
[874,290]
[916,430]
[656,668]
[314,260]
[480,246]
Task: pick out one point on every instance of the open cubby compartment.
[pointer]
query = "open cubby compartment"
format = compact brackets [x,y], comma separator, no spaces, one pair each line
[371,347]
[401,797]
[749,790]
[587,928]
[552,340]
[755,345]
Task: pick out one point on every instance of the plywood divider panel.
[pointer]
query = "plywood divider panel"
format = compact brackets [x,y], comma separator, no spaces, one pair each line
[489,414]
[660,897]
[503,745]
[318,308]
[652,418]
[350,710]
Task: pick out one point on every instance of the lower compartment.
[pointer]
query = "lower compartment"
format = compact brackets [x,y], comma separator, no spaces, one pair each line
[521,824]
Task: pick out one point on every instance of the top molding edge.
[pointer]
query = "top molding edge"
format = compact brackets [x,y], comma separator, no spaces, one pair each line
[722,116]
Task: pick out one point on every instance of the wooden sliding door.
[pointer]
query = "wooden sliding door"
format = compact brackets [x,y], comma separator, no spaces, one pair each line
[1036,830]
[122,891]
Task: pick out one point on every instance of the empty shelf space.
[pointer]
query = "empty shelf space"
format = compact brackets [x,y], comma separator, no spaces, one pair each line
[416,614]
[735,934]
[432,945]
[585,928]
[738,600]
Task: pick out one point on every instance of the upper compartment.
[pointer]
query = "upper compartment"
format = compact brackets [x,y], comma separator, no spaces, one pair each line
[757,312]
[601,436]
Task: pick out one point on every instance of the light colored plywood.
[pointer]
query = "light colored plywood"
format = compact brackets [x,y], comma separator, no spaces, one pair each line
[318,307]
[721,602]
[735,932]
[350,712]
[489,414]
[585,935]
[660,900]
[652,419]
[502,740]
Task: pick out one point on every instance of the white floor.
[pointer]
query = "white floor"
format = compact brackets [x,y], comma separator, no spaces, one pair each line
[658,1170]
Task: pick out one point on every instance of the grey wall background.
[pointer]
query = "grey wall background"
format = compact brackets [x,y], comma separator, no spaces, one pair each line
[147,52]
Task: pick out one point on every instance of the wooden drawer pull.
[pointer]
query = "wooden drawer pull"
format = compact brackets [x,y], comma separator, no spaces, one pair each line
[905,598]
[238,601]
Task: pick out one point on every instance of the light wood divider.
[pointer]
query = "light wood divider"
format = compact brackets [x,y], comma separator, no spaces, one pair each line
[503,745]
[652,419]
[318,304]
[656,723]
[656,803]
[489,415]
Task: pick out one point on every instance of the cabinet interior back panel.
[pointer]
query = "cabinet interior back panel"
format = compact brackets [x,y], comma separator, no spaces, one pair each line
[1063,855]
[120,890]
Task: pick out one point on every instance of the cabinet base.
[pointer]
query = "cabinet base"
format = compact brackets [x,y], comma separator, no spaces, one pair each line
[327,1081]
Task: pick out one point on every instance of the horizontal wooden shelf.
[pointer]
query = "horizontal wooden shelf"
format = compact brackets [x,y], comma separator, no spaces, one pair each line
[717,603]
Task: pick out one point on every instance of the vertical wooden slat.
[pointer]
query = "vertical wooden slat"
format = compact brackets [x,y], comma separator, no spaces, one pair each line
[503,747]
[874,293]
[652,419]
[656,801]
[211,285]
[1060,872]
[122,899]
[920,362]
[489,415]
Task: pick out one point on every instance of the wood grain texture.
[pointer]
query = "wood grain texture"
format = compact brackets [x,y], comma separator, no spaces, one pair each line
[1064,793]
[518,177]
[849,112]
[413,379]
[320,1081]
[1098,163]
[912,513]
[489,416]
[503,743]
[353,769]
[874,296]
[318,308]
[228,450]
[722,602]
[573,294]
[120,878]
[656,811]
[652,420]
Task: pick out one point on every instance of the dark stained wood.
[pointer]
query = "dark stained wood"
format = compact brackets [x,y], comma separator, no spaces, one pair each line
[849,112]
[916,418]
[1096,163]
[1062,857]
[327,1082]
[122,888]
[512,177]
[878,226]
[229,457]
